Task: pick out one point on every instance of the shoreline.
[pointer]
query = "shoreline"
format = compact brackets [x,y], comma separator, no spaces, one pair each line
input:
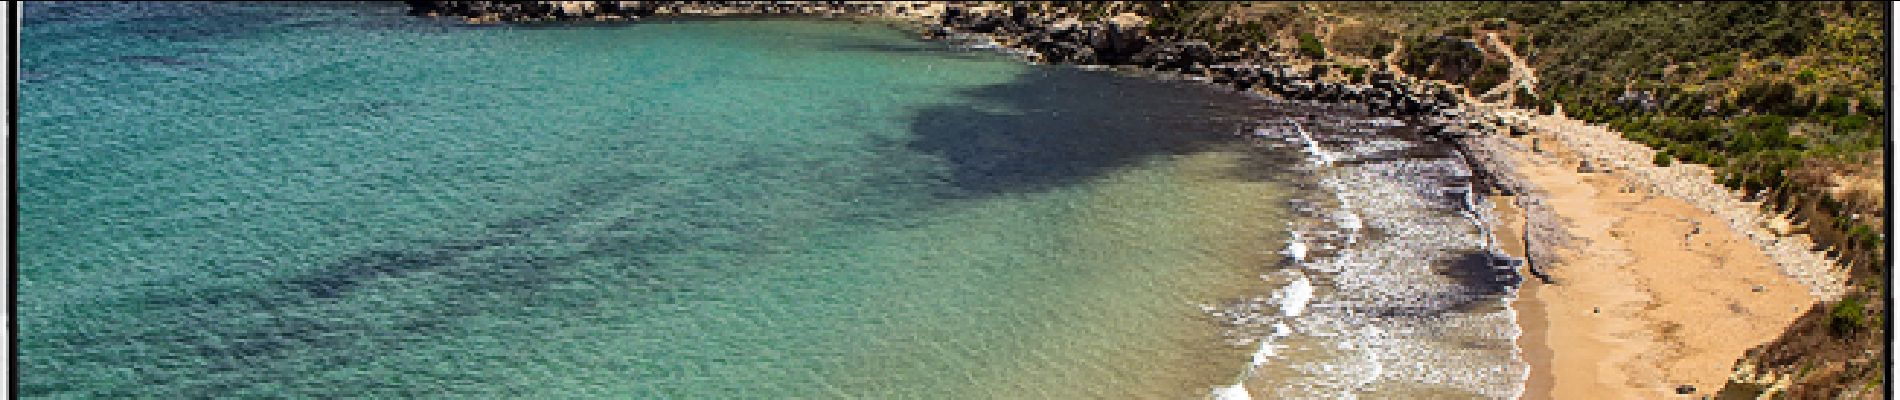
[1534,342]
[1533,321]
[1624,274]
[1582,361]
[1430,138]
[1355,307]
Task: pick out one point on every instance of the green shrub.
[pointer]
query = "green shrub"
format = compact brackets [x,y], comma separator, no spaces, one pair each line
[1806,76]
[1311,47]
[1778,97]
[1722,70]
[1490,76]
[1867,236]
[1524,98]
[1833,105]
[1870,105]
[1851,123]
[1848,316]
[1662,159]
[1358,73]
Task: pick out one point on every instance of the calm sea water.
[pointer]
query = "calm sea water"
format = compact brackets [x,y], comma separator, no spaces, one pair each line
[337,200]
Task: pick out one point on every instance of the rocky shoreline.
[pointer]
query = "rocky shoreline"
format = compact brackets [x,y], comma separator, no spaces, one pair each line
[1048,35]
[1115,37]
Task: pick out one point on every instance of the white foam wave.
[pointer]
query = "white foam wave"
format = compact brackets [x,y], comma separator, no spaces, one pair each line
[1235,392]
[1296,248]
[1292,300]
[1320,155]
[1295,296]
[1346,346]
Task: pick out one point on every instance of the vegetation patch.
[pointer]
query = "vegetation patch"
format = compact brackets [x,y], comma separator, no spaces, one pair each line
[1847,316]
[1363,41]
[1311,47]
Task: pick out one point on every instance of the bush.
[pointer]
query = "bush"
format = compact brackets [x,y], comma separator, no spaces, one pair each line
[1851,123]
[1771,97]
[1867,236]
[1489,76]
[1311,47]
[1833,105]
[1524,98]
[1870,105]
[1806,76]
[1721,70]
[1848,316]
[1663,160]
[1358,73]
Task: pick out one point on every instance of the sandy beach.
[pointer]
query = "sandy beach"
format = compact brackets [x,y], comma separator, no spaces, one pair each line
[1653,295]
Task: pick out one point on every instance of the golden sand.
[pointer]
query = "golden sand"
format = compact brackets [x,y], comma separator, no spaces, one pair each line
[1655,293]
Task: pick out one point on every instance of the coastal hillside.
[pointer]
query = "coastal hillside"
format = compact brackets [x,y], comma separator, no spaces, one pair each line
[1785,100]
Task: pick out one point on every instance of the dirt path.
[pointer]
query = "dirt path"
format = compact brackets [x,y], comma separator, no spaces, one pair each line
[1522,75]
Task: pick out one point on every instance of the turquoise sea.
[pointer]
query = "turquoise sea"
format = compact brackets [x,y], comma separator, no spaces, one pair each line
[337,200]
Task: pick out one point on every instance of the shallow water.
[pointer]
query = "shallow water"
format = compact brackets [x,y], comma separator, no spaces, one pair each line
[338,200]
[1394,289]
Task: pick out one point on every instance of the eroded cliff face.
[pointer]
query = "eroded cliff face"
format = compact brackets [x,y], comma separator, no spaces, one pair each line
[1817,358]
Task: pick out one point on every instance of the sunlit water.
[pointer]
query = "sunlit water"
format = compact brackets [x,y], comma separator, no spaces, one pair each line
[339,200]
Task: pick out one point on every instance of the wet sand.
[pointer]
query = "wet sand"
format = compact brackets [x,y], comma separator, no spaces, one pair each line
[1531,315]
[1654,294]
[1535,342]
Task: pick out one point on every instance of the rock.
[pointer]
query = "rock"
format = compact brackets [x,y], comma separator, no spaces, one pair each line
[1685,389]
